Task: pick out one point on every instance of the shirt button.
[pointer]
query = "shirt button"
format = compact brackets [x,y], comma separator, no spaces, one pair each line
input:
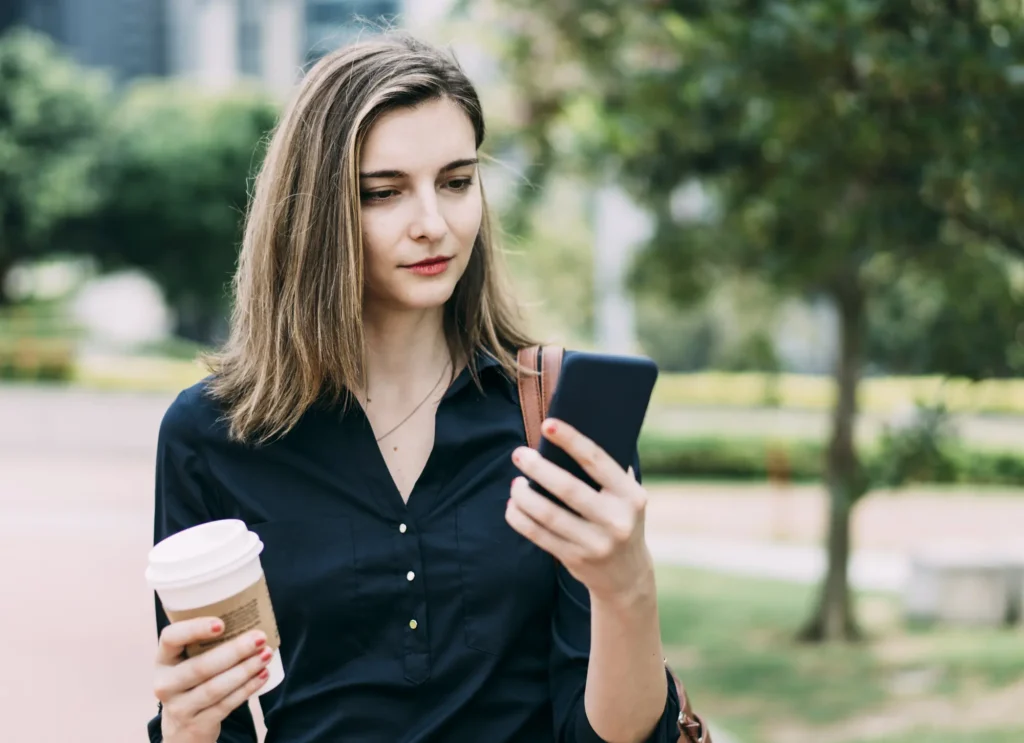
[410,575]
[402,528]
[413,624]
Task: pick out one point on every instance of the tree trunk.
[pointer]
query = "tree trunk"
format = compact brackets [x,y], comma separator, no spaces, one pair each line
[6,264]
[834,618]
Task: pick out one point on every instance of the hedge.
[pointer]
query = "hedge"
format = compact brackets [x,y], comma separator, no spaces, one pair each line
[36,359]
[703,389]
[811,392]
[799,460]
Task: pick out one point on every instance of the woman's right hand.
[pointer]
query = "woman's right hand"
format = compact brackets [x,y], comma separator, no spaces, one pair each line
[198,693]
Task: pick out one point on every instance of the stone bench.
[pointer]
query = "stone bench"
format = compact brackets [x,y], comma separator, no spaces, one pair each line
[962,587]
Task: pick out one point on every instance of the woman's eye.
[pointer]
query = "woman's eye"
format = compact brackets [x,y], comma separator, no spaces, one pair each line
[460,184]
[376,196]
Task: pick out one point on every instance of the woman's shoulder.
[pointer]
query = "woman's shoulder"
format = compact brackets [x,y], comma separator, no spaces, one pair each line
[193,414]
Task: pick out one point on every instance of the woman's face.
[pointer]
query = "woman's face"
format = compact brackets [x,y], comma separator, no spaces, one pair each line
[421,205]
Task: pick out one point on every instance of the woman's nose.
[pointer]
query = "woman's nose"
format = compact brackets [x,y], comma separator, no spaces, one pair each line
[429,223]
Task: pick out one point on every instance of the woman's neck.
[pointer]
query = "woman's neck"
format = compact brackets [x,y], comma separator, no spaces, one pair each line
[404,351]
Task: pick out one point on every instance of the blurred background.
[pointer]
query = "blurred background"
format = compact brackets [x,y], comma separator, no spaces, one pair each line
[808,213]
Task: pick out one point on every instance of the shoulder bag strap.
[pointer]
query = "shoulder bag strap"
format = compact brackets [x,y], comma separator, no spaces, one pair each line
[537,378]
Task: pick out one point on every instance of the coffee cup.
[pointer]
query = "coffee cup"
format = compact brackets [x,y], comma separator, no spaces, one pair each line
[214,570]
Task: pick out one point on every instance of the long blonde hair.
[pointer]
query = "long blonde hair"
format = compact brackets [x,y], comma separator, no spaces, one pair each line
[296,328]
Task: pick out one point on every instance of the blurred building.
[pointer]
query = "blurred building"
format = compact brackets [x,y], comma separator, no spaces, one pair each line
[219,42]
[215,42]
[125,37]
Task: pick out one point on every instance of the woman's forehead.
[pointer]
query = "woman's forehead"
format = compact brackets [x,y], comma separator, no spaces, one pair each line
[421,139]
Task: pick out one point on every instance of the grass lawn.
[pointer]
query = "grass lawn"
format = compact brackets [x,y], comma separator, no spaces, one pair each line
[731,641]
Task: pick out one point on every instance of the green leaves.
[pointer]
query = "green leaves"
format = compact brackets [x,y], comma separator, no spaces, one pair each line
[174,171]
[50,113]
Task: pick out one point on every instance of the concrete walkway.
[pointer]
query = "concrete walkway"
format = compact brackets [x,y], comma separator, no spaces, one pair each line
[799,563]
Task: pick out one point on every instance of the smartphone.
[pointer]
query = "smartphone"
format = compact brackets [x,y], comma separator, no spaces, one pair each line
[605,397]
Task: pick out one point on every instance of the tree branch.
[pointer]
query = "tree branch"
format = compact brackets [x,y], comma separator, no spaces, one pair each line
[1011,241]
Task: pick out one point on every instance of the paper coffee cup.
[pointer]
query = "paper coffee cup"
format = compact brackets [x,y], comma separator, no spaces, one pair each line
[214,570]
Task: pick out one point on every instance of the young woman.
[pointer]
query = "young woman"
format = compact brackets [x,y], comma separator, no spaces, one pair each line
[363,419]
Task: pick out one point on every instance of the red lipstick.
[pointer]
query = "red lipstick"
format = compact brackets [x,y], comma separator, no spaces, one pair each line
[430,266]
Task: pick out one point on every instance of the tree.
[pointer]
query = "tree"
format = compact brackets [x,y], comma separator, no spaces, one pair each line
[842,142]
[926,323]
[50,114]
[173,176]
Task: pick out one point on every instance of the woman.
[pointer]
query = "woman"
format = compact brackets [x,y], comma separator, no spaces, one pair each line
[363,419]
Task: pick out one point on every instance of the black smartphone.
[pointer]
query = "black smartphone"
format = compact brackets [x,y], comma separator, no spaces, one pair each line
[605,397]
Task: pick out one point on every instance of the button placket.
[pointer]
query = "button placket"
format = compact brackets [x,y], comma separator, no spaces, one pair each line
[417,646]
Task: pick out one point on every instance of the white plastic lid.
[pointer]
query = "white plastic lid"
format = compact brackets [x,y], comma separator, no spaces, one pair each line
[201,552]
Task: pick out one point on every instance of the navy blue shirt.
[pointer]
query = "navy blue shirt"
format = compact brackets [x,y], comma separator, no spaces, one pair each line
[400,623]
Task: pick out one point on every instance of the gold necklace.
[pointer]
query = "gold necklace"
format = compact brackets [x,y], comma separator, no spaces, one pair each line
[418,405]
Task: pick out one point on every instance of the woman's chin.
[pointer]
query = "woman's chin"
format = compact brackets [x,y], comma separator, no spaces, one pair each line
[423,298]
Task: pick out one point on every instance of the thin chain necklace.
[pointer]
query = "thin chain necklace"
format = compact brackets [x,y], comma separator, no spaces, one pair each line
[418,405]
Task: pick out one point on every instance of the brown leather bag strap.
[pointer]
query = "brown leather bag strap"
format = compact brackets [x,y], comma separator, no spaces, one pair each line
[542,365]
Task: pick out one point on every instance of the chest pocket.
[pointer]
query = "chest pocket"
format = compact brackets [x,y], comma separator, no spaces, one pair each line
[508,583]
[310,570]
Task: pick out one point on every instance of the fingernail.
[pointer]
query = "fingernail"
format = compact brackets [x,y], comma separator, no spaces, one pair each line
[260,642]
[264,674]
[267,655]
[550,427]
[216,627]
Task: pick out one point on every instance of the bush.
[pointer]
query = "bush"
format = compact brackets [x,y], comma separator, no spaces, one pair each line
[917,449]
[732,459]
[37,360]
[811,392]
[802,460]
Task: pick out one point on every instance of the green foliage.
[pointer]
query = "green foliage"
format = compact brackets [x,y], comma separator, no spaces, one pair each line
[174,169]
[965,320]
[554,267]
[828,134]
[37,359]
[918,455]
[918,450]
[739,458]
[50,113]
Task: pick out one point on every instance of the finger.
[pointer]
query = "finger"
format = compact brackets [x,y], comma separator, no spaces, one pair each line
[176,636]
[214,691]
[556,546]
[553,517]
[594,460]
[195,671]
[218,712]
[566,487]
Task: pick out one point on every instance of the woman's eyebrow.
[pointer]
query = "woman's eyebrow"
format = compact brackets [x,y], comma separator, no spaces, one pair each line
[453,165]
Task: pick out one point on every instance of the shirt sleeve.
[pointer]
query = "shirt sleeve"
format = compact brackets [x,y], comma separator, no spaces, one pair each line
[570,655]
[185,496]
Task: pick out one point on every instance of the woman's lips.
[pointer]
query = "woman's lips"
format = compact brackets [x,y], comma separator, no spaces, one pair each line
[430,267]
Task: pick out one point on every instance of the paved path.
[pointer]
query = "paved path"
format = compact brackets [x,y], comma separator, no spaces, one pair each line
[872,571]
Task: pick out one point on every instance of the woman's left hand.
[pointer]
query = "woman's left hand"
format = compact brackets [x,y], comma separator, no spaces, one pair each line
[604,546]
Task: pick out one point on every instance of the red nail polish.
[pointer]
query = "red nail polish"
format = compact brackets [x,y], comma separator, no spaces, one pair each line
[267,655]
[216,627]
[264,674]
[550,427]
[261,642]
